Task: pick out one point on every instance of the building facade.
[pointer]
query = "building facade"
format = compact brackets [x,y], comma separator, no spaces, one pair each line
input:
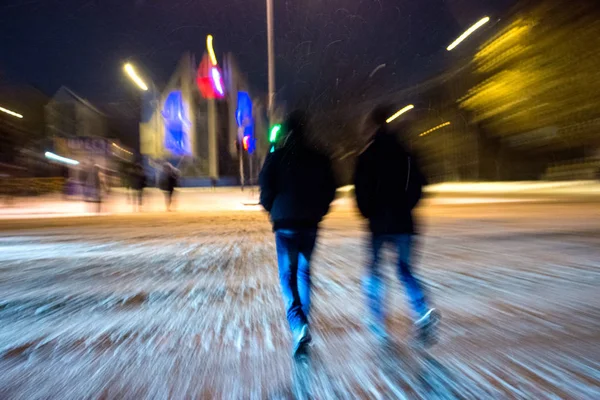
[206,122]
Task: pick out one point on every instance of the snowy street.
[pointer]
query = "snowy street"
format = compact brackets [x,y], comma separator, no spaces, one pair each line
[186,305]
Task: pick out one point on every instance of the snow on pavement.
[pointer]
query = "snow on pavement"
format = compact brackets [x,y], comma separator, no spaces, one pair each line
[187,305]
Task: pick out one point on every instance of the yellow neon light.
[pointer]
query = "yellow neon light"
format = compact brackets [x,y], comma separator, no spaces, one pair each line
[122,149]
[211,51]
[135,77]
[9,112]
[399,113]
[435,128]
[469,31]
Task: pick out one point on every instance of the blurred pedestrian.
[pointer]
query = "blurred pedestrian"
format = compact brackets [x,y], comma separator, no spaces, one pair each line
[94,186]
[127,176]
[66,182]
[138,183]
[170,180]
[388,185]
[296,187]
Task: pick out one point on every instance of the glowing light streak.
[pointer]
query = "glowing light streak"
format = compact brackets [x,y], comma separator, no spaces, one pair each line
[122,149]
[135,77]
[211,50]
[399,113]
[274,132]
[435,128]
[216,77]
[56,157]
[468,32]
[9,112]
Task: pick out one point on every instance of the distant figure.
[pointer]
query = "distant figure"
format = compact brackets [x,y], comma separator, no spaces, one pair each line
[66,189]
[169,182]
[388,185]
[296,187]
[213,183]
[138,183]
[94,187]
[127,176]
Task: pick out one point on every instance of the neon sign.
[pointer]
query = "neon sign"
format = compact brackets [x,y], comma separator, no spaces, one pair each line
[177,125]
[243,116]
[209,77]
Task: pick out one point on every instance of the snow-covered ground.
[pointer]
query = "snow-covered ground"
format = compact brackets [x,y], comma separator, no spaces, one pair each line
[187,306]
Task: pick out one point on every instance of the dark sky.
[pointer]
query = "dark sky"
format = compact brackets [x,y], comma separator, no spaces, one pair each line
[320,44]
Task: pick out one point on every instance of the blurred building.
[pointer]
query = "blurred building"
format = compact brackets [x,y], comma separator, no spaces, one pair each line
[518,100]
[206,121]
[26,128]
[80,131]
[70,115]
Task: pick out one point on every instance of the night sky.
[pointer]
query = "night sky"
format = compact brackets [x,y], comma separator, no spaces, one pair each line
[320,44]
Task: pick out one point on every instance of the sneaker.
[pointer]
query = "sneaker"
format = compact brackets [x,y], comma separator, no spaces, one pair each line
[426,327]
[302,341]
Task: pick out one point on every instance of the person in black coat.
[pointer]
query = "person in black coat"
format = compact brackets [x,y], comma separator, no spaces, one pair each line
[296,188]
[138,183]
[388,185]
[170,180]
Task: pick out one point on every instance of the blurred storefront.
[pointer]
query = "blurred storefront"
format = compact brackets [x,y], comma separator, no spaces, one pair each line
[79,132]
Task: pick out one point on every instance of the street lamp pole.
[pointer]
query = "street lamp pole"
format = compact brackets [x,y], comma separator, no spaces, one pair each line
[271,58]
[133,75]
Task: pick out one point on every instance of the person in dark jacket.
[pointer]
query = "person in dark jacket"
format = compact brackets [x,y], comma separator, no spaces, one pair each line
[388,186]
[170,180]
[296,187]
[138,183]
[94,186]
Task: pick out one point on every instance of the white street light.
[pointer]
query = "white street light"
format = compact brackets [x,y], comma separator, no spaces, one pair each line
[211,50]
[399,113]
[135,77]
[9,112]
[62,159]
[469,31]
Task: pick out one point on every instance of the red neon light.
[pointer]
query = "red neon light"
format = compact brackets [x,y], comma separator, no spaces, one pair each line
[246,142]
[209,80]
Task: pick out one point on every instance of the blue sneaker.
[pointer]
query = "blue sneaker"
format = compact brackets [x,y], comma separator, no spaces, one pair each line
[302,341]
[426,327]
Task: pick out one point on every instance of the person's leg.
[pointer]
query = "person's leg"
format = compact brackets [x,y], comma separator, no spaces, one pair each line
[374,286]
[168,198]
[414,289]
[172,200]
[306,243]
[287,258]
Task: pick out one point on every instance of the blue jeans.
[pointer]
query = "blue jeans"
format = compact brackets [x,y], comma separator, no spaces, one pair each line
[374,284]
[294,250]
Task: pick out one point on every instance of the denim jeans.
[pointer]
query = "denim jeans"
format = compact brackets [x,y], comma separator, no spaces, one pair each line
[374,285]
[294,250]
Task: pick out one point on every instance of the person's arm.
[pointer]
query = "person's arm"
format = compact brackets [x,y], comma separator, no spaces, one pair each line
[267,182]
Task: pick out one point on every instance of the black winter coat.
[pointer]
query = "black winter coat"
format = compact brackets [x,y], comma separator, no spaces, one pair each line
[296,186]
[388,185]
[138,179]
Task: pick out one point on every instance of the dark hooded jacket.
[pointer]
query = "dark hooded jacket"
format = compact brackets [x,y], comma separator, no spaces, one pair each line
[296,184]
[388,185]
